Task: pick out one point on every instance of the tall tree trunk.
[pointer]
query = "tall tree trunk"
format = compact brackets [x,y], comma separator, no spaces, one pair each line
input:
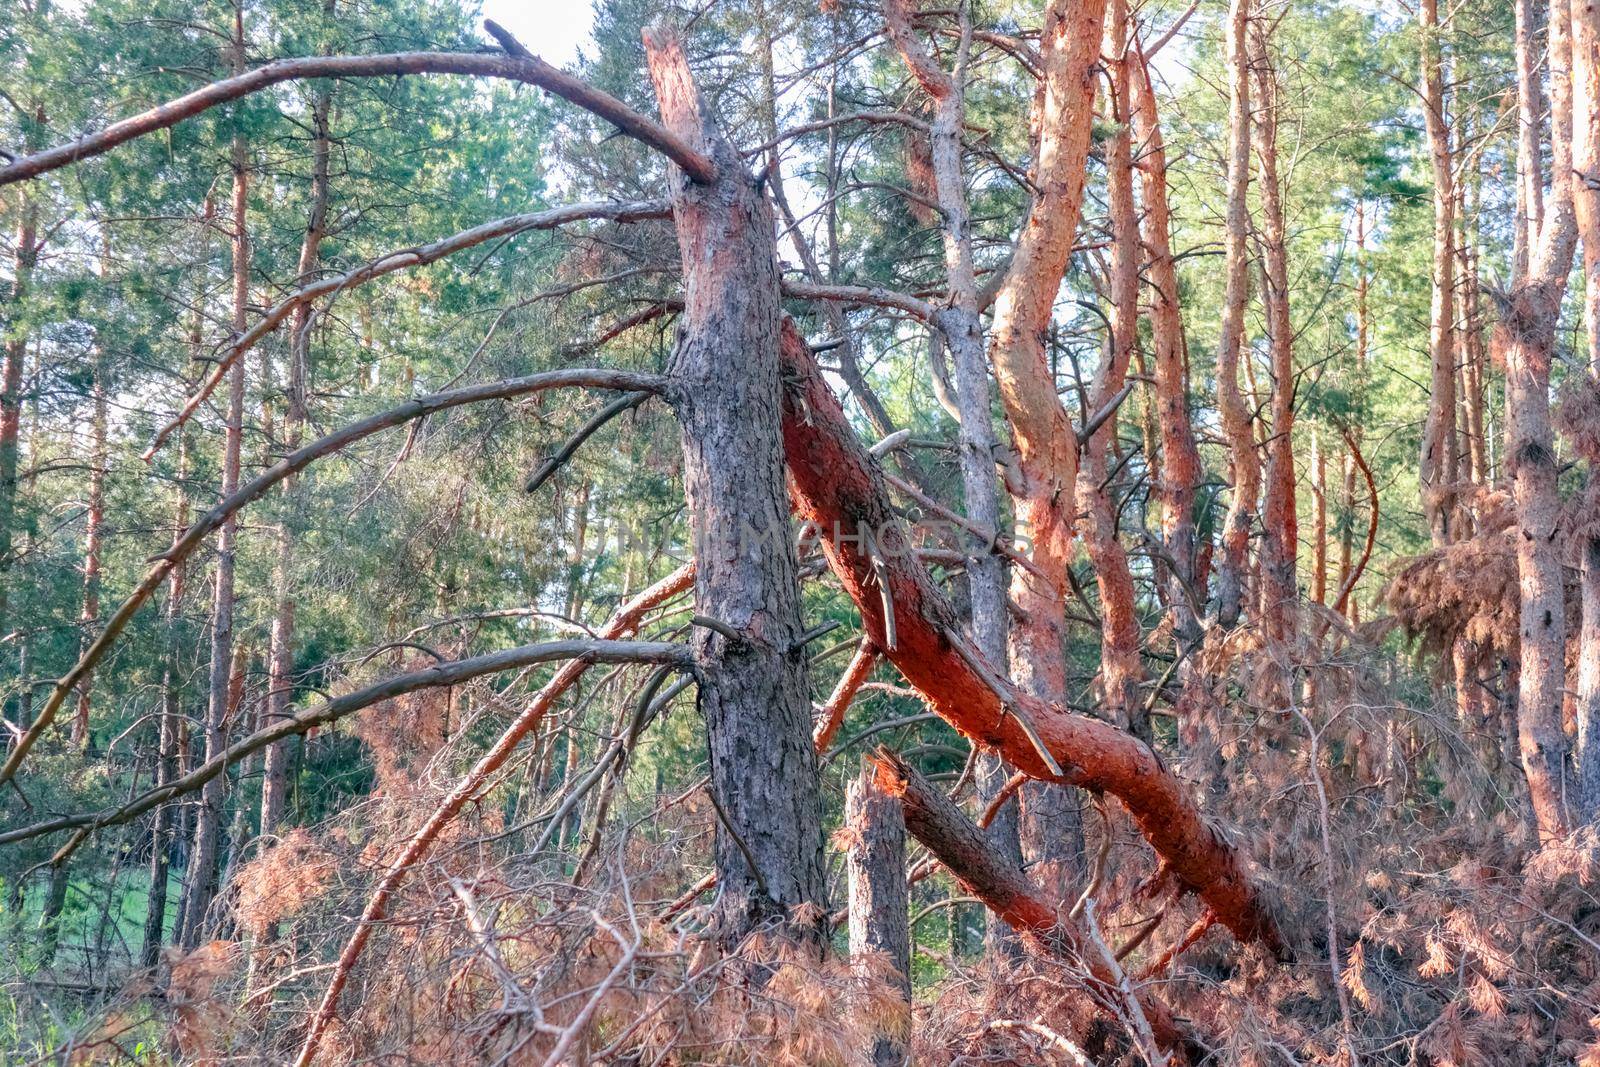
[959,323]
[1120,666]
[1045,442]
[1319,525]
[1530,121]
[94,525]
[1525,337]
[1236,414]
[280,686]
[1280,520]
[879,903]
[752,665]
[201,887]
[1180,457]
[1586,205]
[1437,473]
[25,259]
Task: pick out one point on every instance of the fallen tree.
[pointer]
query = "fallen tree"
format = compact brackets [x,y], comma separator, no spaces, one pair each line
[1005,889]
[838,488]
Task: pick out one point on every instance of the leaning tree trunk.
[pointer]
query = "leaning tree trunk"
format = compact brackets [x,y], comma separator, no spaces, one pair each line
[836,484]
[201,887]
[752,665]
[1005,889]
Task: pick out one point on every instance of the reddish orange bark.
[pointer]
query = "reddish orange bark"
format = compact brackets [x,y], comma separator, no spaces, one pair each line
[1279,518]
[1045,442]
[1180,468]
[837,487]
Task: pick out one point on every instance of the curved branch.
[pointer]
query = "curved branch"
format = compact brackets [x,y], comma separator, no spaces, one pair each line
[625,621]
[292,464]
[580,653]
[403,259]
[547,469]
[527,69]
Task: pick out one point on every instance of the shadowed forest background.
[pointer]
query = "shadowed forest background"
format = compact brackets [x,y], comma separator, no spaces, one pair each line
[840,533]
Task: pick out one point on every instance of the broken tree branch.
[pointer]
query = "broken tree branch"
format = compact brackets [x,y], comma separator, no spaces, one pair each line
[836,485]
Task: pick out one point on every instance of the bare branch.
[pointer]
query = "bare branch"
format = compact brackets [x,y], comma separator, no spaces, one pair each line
[527,69]
[404,259]
[580,652]
[292,464]
[868,295]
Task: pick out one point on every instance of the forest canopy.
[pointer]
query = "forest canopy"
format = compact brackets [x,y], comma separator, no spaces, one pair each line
[856,532]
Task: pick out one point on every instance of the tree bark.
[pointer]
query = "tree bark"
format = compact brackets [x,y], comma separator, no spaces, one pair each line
[280,685]
[1586,207]
[1043,436]
[201,887]
[836,485]
[1236,414]
[879,902]
[25,259]
[958,322]
[1437,473]
[1180,468]
[161,824]
[725,390]
[1530,121]
[1280,520]
[94,525]
[933,819]
[1525,337]
[1120,668]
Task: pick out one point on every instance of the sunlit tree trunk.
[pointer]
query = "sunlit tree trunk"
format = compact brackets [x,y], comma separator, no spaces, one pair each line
[752,665]
[1236,414]
[962,331]
[1180,468]
[1120,670]
[1530,120]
